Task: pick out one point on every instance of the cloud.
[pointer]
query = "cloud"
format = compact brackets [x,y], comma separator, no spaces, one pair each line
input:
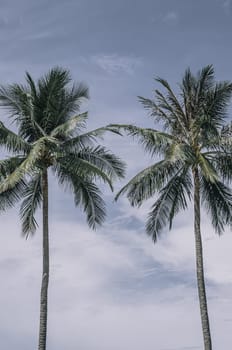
[113,64]
[227,6]
[171,17]
[113,284]
[38,36]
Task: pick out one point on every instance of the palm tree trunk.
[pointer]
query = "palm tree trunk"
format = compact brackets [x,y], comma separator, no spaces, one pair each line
[45,277]
[199,264]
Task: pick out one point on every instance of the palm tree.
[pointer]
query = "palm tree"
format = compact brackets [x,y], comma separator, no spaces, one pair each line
[195,162]
[50,136]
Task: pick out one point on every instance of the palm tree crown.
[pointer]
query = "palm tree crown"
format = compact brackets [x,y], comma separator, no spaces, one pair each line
[193,137]
[49,136]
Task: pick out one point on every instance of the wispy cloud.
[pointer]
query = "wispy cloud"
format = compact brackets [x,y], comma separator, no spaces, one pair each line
[38,36]
[115,63]
[227,6]
[171,17]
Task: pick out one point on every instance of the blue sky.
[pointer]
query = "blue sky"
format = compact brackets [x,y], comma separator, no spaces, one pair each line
[113,289]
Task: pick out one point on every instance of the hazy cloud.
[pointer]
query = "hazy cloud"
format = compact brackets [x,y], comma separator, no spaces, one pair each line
[227,6]
[171,17]
[113,64]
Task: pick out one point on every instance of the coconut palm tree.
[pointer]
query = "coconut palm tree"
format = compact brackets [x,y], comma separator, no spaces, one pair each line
[195,162]
[50,136]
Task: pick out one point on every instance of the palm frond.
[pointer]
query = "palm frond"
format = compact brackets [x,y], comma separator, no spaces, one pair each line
[149,181]
[87,139]
[32,200]
[57,101]
[173,198]
[153,141]
[216,104]
[11,141]
[27,167]
[86,194]
[105,160]
[222,162]
[217,199]
[81,167]
[67,128]
[207,168]
[172,99]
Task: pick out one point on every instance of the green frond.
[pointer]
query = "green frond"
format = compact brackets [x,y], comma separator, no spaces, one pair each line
[75,165]
[223,165]
[217,199]
[178,151]
[155,111]
[67,128]
[87,139]
[217,102]
[32,200]
[13,142]
[207,168]
[11,196]
[171,97]
[86,194]
[11,99]
[153,141]
[205,81]
[105,160]
[8,165]
[149,181]
[27,167]
[173,198]
[57,101]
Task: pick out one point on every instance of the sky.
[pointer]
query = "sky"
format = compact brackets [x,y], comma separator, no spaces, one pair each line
[113,288]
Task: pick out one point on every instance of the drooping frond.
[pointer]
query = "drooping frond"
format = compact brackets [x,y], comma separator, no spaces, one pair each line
[217,199]
[105,160]
[207,168]
[81,167]
[27,167]
[173,198]
[12,98]
[149,181]
[17,99]
[223,164]
[180,151]
[8,165]
[216,105]
[11,196]
[13,142]
[87,139]
[153,141]
[32,200]
[72,125]
[86,194]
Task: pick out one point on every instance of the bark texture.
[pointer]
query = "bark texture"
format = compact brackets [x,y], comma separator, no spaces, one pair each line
[45,276]
[200,265]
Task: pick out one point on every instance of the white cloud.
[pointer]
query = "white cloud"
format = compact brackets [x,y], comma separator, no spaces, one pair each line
[227,6]
[113,64]
[171,17]
[115,285]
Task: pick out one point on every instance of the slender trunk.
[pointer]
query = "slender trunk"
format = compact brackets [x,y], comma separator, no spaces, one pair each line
[199,264]
[45,276]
